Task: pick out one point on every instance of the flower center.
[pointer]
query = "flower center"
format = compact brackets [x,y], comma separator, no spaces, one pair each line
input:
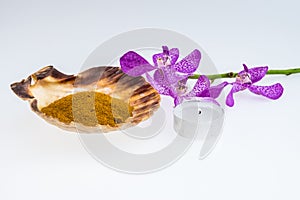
[244,78]
[181,88]
[164,61]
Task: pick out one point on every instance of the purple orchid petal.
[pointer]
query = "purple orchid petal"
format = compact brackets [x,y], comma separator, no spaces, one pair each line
[178,100]
[272,92]
[158,76]
[170,76]
[165,50]
[256,73]
[190,63]
[173,53]
[173,92]
[175,78]
[235,88]
[245,68]
[163,80]
[201,85]
[161,89]
[215,91]
[134,65]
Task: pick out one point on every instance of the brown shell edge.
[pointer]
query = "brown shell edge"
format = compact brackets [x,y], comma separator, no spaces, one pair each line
[22,88]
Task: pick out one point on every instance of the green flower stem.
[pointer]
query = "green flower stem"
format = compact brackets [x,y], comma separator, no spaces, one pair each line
[233,75]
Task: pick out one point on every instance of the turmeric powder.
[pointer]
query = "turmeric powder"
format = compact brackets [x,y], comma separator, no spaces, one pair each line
[89,109]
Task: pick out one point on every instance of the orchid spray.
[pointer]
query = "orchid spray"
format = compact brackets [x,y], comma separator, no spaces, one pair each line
[170,77]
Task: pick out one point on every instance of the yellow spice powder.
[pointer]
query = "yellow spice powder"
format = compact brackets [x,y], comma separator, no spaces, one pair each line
[89,109]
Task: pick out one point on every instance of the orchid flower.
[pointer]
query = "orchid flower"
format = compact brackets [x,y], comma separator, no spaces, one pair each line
[169,77]
[200,89]
[245,80]
[167,71]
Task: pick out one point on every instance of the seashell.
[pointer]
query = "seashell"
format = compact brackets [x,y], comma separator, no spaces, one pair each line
[49,85]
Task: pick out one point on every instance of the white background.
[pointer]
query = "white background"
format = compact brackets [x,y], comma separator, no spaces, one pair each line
[258,154]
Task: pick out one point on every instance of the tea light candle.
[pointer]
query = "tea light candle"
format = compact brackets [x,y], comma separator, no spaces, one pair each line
[200,119]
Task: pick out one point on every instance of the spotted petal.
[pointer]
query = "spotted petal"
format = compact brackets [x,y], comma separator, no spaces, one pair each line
[169,76]
[190,63]
[201,85]
[215,91]
[160,87]
[173,53]
[235,88]
[272,92]
[134,65]
[256,73]
[158,75]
